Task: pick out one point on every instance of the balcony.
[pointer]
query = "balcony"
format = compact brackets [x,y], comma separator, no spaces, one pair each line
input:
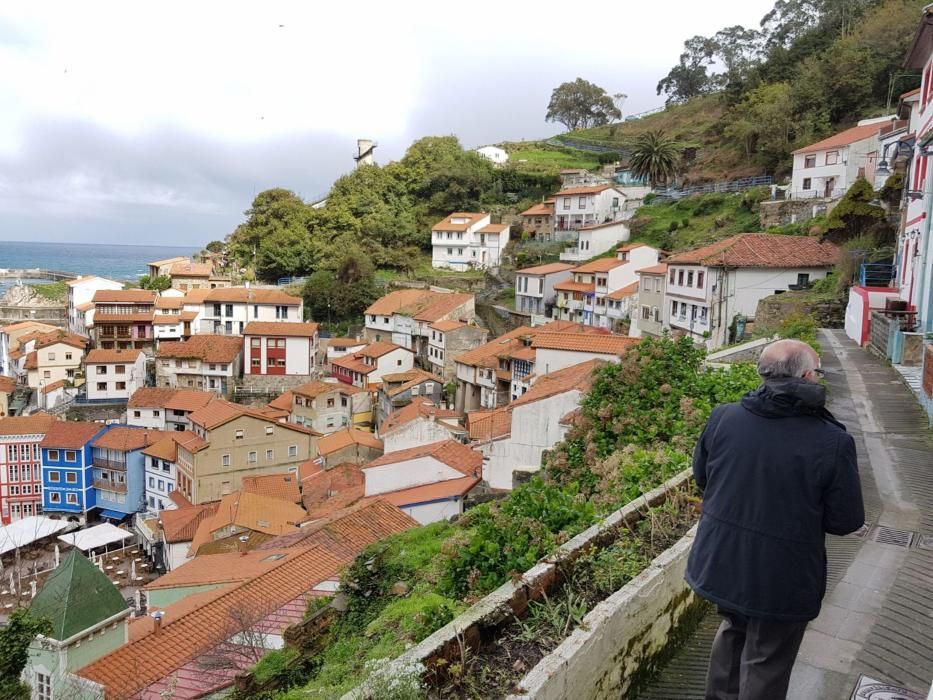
[108,485]
[105,463]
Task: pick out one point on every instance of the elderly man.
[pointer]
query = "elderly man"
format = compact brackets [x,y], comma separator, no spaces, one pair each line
[778,472]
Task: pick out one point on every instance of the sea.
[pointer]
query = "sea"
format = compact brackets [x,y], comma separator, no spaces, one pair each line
[116,262]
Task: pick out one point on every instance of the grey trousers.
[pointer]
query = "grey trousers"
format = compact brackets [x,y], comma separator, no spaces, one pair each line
[752,658]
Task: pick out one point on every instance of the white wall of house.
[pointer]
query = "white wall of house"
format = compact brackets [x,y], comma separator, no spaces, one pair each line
[405,475]
[420,431]
[104,381]
[434,511]
[300,354]
[833,170]
[398,360]
[176,554]
[160,482]
[575,210]
[146,417]
[596,240]
[532,292]
[548,361]
[57,361]
[231,317]
[80,292]
[535,427]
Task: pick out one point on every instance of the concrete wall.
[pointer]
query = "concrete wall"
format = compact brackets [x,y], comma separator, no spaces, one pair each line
[421,431]
[407,474]
[434,511]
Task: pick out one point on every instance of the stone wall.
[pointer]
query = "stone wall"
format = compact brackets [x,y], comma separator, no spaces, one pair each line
[53,315]
[775,308]
[789,211]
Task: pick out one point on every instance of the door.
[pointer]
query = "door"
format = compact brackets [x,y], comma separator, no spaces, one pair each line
[830,183]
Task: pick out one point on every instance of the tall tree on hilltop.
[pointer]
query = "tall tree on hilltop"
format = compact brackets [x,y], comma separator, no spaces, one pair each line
[580,105]
[655,157]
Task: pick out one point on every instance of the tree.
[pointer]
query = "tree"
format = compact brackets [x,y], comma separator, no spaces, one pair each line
[762,123]
[580,105]
[655,157]
[855,215]
[689,78]
[273,211]
[158,284]
[215,247]
[343,287]
[15,638]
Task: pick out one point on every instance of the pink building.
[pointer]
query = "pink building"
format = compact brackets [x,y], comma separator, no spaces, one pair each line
[21,465]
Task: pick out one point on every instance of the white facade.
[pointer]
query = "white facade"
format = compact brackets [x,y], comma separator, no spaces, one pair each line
[147,417]
[549,360]
[468,241]
[596,239]
[434,511]
[407,474]
[494,153]
[534,291]
[536,427]
[116,380]
[80,292]
[297,357]
[578,207]
[423,430]
[829,171]
[160,482]
[230,317]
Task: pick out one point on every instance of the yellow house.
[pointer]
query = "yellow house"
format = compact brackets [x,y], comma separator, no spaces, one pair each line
[53,357]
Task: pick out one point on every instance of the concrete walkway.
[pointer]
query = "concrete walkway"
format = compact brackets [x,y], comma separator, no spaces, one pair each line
[875,632]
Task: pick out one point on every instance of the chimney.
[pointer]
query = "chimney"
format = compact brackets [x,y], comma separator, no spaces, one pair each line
[157,622]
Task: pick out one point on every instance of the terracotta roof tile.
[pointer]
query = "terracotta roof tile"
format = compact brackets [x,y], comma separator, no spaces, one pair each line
[180,524]
[283,402]
[36,423]
[207,348]
[623,292]
[762,250]
[414,378]
[489,425]
[7,384]
[70,435]
[125,438]
[281,486]
[600,265]
[100,356]
[420,407]
[346,437]
[168,261]
[250,511]
[421,304]
[378,349]
[281,328]
[32,360]
[548,269]
[150,397]
[843,138]
[167,447]
[592,189]
[163,302]
[431,492]
[345,342]
[189,399]
[49,388]
[191,269]
[579,342]
[325,491]
[494,228]
[539,209]
[353,364]
[569,286]
[450,452]
[218,568]
[659,269]
[447,224]
[45,340]
[631,246]
[445,326]
[573,378]
[101,318]
[348,532]
[125,296]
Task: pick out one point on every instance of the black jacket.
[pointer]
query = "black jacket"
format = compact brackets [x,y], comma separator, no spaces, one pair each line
[778,471]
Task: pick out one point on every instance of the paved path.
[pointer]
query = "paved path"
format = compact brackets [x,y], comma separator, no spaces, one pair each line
[877,618]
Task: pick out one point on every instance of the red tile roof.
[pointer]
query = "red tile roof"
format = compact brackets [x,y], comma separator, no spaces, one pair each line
[625,291]
[659,269]
[281,486]
[489,425]
[378,349]
[251,295]
[592,189]
[600,265]
[36,423]
[446,224]
[314,389]
[346,437]
[128,439]
[494,228]
[420,407]
[189,399]
[44,340]
[100,356]
[548,269]
[843,138]
[573,378]
[7,384]
[180,524]
[450,452]
[207,348]
[570,286]
[125,296]
[631,246]
[70,435]
[539,209]
[579,342]
[191,269]
[445,326]
[452,488]
[420,304]
[762,250]
[49,388]
[325,491]
[281,328]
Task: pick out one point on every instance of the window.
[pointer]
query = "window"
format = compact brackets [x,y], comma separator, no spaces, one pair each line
[121,386]
[54,477]
[252,457]
[47,374]
[255,362]
[293,450]
[680,277]
[690,278]
[703,313]
[270,455]
[581,202]
[72,456]
[645,313]
[51,356]
[700,276]
[101,369]
[255,342]
[151,482]
[450,251]
[67,355]
[121,369]
[71,478]
[53,455]
[161,485]
[807,183]
[225,460]
[102,386]
[344,402]
[238,435]
[566,201]
[803,279]
[672,277]
[137,414]
[71,499]
[55,497]
[228,310]
[255,310]
[281,312]
[809,161]
[156,414]
[832,157]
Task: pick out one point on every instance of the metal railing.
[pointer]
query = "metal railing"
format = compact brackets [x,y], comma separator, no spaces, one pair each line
[743,183]
[876,274]
[109,485]
[104,463]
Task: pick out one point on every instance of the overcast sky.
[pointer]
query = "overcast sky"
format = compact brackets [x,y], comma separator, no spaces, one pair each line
[124,124]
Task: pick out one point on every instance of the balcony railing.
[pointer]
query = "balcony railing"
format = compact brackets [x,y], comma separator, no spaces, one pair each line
[105,463]
[108,485]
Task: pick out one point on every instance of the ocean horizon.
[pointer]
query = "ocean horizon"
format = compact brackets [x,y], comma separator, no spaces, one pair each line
[122,262]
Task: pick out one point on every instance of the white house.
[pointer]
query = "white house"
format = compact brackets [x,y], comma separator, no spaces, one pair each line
[280,348]
[227,310]
[495,154]
[514,438]
[579,207]
[428,482]
[556,351]
[114,374]
[172,321]
[709,287]
[164,408]
[161,469]
[534,287]
[467,240]
[367,366]
[829,167]
[80,295]
[341,347]
[595,239]
[201,362]
[419,423]
[404,317]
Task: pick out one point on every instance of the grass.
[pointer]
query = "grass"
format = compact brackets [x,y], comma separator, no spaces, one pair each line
[422,270]
[541,157]
[697,220]
[506,298]
[54,291]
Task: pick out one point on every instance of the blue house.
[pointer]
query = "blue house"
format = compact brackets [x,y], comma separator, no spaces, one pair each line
[119,470]
[67,473]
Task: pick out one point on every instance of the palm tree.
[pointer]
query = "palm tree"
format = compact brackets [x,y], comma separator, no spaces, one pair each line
[655,157]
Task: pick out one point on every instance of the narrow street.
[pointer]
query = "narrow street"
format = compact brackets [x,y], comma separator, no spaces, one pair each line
[876,625]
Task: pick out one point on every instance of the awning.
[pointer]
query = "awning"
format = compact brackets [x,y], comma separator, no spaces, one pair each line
[112,514]
[28,530]
[97,536]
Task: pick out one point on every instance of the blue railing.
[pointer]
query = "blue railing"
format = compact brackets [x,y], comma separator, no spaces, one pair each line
[876,274]
[282,281]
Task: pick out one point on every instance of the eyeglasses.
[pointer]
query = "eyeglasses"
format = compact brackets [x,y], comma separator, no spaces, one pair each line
[819,372]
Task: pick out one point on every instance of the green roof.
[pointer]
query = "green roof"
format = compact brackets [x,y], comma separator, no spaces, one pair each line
[76,597]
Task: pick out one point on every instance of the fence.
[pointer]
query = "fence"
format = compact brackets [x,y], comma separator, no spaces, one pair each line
[739,185]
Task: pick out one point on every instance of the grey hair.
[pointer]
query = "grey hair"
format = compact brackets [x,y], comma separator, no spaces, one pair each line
[787,358]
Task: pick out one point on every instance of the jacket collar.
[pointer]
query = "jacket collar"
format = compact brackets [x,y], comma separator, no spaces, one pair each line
[787,397]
